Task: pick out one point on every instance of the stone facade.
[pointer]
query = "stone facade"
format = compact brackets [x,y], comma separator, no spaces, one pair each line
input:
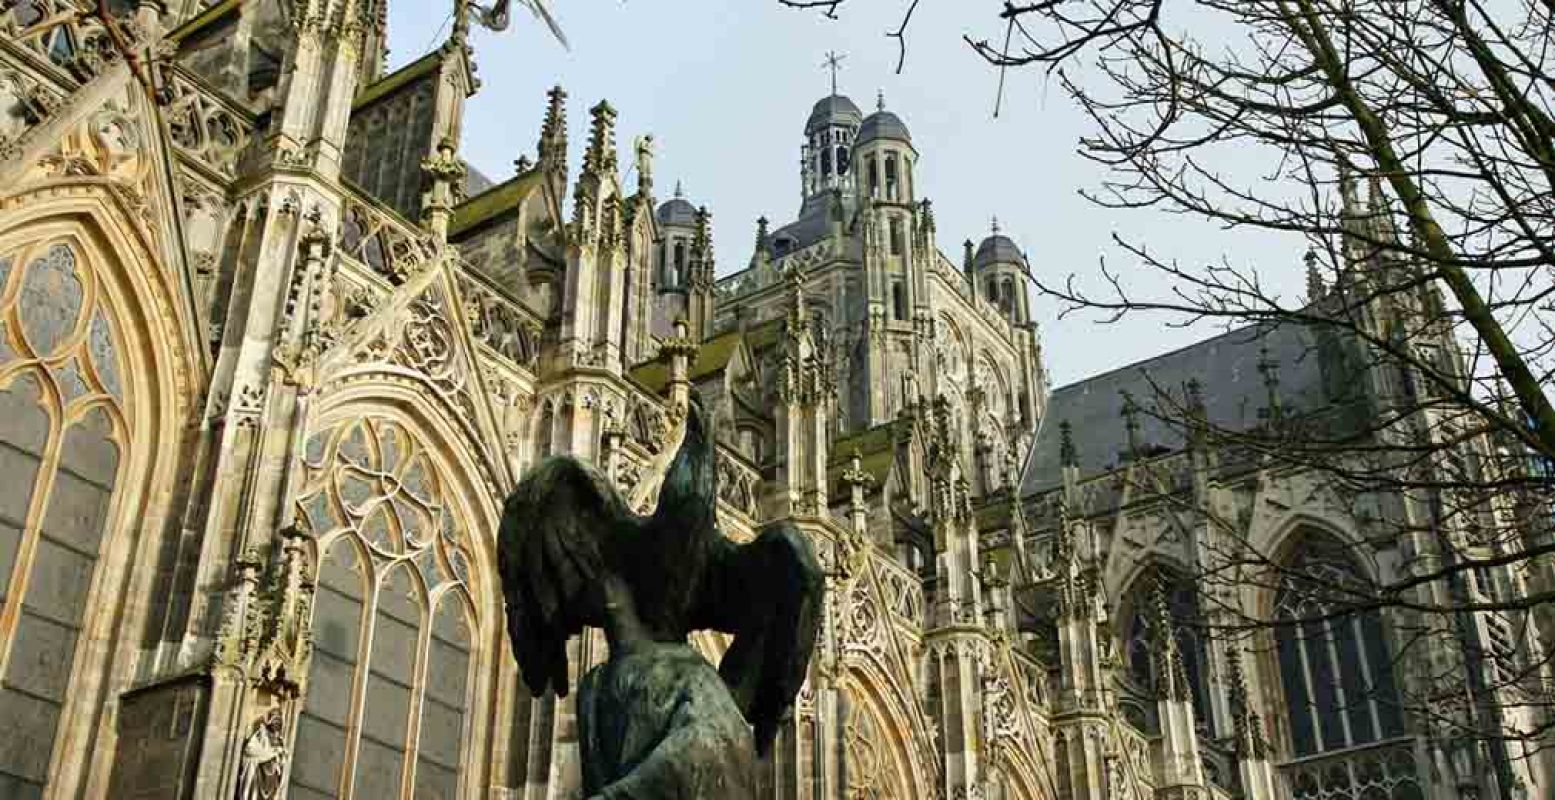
[271,355]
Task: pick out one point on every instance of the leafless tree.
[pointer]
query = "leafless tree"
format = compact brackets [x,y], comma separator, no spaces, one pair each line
[1410,145]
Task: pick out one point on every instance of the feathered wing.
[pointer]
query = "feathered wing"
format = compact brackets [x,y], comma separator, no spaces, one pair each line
[559,527]
[768,593]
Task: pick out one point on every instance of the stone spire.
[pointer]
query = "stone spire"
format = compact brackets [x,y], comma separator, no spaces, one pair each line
[1315,288]
[600,157]
[700,266]
[761,234]
[1131,422]
[553,133]
[1379,213]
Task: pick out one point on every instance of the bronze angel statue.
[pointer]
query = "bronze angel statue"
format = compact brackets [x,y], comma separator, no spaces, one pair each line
[656,720]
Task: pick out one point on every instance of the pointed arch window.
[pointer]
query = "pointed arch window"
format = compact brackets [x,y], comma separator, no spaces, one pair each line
[1336,669]
[388,691]
[1146,678]
[64,429]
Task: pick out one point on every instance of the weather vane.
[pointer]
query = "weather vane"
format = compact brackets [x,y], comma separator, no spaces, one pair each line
[833,62]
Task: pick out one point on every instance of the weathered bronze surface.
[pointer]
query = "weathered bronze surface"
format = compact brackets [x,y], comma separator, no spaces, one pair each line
[656,720]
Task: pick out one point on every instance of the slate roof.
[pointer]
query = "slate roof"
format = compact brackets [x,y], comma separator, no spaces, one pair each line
[813,225]
[1232,388]
[883,125]
[833,110]
[677,211]
[997,249]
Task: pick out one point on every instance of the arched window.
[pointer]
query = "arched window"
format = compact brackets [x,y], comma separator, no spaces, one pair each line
[890,178]
[897,246]
[679,275]
[842,160]
[389,676]
[1335,668]
[872,166]
[63,429]
[1143,632]
[898,301]
[825,161]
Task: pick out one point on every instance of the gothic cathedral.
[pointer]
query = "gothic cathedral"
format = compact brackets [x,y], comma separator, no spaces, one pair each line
[272,354]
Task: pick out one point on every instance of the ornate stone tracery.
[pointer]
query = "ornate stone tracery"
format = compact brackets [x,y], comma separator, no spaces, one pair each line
[374,499]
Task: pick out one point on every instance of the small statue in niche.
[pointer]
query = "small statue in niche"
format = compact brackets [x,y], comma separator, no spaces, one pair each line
[264,760]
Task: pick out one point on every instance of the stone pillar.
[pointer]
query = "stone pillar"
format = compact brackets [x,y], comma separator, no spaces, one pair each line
[1182,773]
[806,403]
[1084,705]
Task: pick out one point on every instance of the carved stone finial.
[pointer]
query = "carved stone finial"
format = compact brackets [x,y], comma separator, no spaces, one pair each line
[600,157]
[553,132]
[1315,287]
[1131,421]
[1270,370]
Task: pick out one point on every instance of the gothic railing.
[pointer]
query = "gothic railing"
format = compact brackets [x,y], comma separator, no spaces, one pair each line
[382,241]
[903,589]
[739,483]
[207,130]
[58,33]
[1137,753]
[500,323]
[1386,769]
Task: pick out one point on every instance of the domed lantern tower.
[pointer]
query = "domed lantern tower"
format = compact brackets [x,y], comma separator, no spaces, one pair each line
[828,149]
[1000,271]
[885,157]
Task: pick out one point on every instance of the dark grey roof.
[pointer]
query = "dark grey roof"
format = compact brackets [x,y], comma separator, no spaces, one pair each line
[998,249]
[883,125]
[677,211]
[833,110]
[813,224]
[1233,391]
[475,181]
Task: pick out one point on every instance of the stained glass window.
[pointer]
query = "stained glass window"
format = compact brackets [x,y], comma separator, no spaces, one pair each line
[1144,678]
[1335,668]
[62,429]
[389,683]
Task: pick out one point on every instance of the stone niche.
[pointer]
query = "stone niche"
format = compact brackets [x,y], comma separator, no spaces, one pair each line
[159,740]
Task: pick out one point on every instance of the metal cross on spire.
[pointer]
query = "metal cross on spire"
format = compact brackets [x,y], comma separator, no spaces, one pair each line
[833,62]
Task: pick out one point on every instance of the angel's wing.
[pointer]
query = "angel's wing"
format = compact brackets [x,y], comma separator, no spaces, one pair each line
[552,548]
[768,593]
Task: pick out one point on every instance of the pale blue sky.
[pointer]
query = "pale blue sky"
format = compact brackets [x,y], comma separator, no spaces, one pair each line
[725,88]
